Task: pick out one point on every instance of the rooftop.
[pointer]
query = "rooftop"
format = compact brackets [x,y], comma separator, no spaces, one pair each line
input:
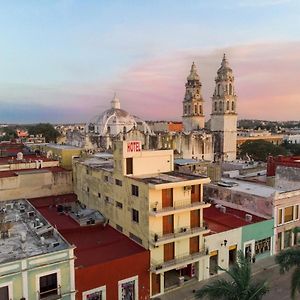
[220,218]
[12,173]
[95,244]
[168,177]
[26,159]
[65,147]
[25,233]
[248,187]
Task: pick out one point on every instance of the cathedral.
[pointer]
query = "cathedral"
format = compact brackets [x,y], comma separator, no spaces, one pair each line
[217,143]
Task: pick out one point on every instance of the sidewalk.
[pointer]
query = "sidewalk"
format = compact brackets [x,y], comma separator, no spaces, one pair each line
[186,292]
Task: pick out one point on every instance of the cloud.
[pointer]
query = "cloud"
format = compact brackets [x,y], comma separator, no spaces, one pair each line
[266,80]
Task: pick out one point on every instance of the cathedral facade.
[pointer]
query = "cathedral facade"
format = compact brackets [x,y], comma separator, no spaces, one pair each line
[217,143]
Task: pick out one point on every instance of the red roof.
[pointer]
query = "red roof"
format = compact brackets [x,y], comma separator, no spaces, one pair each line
[27,158]
[218,221]
[12,173]
[95,244]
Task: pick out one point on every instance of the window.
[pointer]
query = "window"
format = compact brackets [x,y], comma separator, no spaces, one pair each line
[4,293]
[48,285]
[88,189]
[279,216]
[200,109]
[134,190]
[118,182]
[95,294]
[219,89]
[135,215]
[288,214]
[230,89]
[185,110]
[262,246]
[99,195]
[135,238]
[128,289]
[220,106]
[106,178]
[120,228]
[196,109]
[119,204]
[296,212]
[129,165]
[216,106]
[232,106]
[227,105]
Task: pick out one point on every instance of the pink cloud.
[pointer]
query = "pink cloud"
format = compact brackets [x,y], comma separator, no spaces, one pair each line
[266,76]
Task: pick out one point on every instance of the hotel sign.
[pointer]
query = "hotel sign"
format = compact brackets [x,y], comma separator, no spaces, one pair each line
[134,146]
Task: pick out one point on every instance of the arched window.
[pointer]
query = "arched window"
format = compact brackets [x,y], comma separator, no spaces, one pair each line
[230,89]
[219,89]
[220,106]
[124,129]
[232,106]
[227,105]
[185,110]
[189,109]
[200,109]
[196,109]
[108,129]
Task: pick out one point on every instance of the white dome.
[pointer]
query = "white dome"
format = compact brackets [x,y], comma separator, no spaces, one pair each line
[113,121]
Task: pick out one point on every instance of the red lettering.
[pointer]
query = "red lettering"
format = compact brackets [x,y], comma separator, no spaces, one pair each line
[133,146]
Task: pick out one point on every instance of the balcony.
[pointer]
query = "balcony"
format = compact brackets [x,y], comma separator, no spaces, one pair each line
[178,206]
[179,261]
[184,232]
[51,294]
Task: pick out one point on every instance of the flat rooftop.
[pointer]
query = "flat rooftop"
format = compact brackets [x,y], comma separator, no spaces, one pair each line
[24,232]
[248,187]
[26,159]
[168,177]
[12,173]
[95,244]
[218,221]
[65,147]
[184,161]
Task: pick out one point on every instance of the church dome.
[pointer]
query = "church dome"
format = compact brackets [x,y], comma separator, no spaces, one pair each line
[113,121]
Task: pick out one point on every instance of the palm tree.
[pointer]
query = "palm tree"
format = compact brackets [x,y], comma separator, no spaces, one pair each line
[240,287]
[288,259]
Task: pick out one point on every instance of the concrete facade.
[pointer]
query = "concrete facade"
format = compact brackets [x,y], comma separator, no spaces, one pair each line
[133,199]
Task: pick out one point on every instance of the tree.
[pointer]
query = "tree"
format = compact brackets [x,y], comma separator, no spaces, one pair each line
[293,149]
[9,134]
[46,129]
[290,259]
[240,287]
[259,150]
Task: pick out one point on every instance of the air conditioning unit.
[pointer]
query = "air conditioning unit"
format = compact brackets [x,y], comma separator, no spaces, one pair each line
[223,209]
[248,217]
[187,188]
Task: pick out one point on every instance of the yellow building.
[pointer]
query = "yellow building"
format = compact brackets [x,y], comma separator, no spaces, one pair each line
[142,196]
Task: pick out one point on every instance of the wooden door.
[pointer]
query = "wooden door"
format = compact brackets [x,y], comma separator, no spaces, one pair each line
[167,198]
[194,244]
[155,284]
[168,224]
[195,218]
[168,251]
[195,193]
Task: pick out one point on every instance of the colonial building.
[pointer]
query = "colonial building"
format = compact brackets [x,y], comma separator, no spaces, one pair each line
[193,116]
[224,115]
[194,141]
[36,262]
[159,208]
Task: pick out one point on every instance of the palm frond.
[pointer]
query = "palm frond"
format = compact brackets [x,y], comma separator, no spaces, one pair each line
[257,290]
[219,289]
[288,259]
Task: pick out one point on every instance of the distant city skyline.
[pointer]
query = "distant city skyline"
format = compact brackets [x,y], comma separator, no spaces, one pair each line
[62,60]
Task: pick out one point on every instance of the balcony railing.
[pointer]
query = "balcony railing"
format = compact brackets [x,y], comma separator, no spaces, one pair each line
[158,239]
[178,206]
[52,294]
[181,260]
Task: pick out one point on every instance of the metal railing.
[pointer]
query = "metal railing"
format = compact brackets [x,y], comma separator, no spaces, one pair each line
[180,259]
[177,205]
[158,238]
[52,294]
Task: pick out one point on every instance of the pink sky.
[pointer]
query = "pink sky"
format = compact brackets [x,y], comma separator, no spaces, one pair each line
[267,79]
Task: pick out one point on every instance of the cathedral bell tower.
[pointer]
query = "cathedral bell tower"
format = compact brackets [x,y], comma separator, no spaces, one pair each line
[193,117]
[224,116]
